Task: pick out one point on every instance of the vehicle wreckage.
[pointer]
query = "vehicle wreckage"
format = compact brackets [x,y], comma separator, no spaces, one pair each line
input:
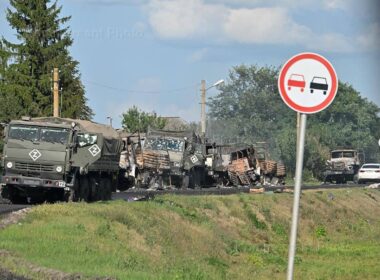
[182,159]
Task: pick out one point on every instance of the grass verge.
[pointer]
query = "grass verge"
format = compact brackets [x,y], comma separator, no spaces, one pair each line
[214,237]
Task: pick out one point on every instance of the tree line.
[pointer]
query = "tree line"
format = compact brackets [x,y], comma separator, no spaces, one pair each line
[249,109]
[43,41]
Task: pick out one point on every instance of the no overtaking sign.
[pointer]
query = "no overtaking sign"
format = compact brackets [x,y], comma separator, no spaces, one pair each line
[308,83]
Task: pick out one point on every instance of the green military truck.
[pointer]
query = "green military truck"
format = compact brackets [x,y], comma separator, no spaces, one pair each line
[170,159]
[58,159]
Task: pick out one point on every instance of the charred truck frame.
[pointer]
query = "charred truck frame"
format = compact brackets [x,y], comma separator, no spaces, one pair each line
[242,164]
[343,165]
[59,159]
[170,158]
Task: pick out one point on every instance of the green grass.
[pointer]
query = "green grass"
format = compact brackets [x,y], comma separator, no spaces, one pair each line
[177,237]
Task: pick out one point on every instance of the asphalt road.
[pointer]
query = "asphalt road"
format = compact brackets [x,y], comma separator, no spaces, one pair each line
[142,194]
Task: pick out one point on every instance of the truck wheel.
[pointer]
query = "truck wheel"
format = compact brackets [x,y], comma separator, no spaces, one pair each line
[94,189]
[84,188]
[16,198]
[105,188]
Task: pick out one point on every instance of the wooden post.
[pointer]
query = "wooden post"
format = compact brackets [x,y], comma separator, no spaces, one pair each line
[56,93]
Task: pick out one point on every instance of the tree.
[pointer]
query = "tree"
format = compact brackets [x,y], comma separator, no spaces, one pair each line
[135,120]
[251,101]
[250,109]
[26,67]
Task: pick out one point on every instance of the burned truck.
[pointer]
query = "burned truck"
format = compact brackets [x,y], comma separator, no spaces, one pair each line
[242,164]
[170,159]
[343,166]
[58,159]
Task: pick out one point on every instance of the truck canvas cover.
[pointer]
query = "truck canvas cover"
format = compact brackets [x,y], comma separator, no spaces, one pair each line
[190,135]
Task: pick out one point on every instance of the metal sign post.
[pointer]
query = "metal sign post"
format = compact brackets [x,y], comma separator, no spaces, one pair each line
[297,194]
[307,84]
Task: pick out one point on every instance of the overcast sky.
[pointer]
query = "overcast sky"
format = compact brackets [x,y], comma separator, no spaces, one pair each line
[154,54]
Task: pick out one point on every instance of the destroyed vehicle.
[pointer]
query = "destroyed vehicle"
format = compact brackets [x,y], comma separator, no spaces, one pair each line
[170,159]
[343,166]
[243,168]
[59,159]
[242,164]
[271,172]
[128,160]
[218,157]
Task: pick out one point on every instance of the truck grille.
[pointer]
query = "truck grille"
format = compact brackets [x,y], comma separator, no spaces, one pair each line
[34,167]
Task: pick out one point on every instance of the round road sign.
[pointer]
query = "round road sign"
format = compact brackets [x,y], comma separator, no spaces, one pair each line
[308,83]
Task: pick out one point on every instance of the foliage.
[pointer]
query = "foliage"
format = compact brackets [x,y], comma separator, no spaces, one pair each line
[250,106]
[135,120]
[26,67]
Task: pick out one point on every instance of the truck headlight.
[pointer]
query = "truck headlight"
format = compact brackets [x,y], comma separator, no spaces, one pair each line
[9,165]
[59,169]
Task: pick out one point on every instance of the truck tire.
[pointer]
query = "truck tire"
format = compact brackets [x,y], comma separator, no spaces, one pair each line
[94,189]
[105,188]
[84,188]
[16,198]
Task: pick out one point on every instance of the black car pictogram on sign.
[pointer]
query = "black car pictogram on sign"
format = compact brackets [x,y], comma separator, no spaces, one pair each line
[319,83]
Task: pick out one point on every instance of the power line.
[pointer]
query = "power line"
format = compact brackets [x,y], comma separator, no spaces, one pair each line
[140,91]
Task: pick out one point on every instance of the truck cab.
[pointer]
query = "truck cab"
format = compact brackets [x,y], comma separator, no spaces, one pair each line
[56,159]
[343,165]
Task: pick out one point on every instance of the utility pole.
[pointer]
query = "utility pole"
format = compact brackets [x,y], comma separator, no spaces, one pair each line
[56,92]
[203,108]
[110,120]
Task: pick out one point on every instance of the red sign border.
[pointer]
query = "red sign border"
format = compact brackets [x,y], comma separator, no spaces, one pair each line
[332,92]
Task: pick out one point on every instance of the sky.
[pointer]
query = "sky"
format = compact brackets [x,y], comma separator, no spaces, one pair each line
[154,53]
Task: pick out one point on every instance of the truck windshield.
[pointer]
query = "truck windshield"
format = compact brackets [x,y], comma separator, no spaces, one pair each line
[35,134]
[23,133]
[175,145]
[341,154]
[54,135]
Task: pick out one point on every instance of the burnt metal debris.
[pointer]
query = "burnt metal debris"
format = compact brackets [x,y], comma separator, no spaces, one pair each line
[182,159]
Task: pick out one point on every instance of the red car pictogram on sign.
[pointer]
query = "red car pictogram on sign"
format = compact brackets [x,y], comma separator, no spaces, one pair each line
[296,80]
